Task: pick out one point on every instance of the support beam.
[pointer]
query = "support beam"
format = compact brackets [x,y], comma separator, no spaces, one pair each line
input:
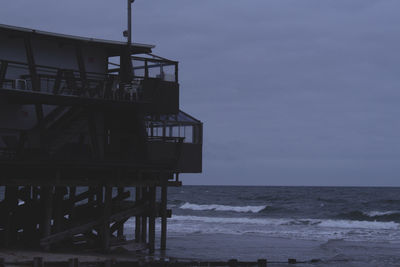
[144,217]
[152,219]
[106,235]
[72,200]
[39,114]
[121,195]
[30,231]
[94,141]
[83,195]
[120,233]
[21,142]
[117,226]
[47,202]
[11,203]
[138,195]
[82,69]
[99,195]
[31,64]
[90,225]
[92,195]
[163,241]
[3,72]
[35,81]
[58,208]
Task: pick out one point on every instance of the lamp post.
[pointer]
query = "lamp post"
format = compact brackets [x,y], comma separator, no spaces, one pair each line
[129,33]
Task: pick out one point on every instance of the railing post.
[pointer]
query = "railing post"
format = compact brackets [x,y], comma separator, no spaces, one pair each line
[57,82]
[176,72]
[164,131]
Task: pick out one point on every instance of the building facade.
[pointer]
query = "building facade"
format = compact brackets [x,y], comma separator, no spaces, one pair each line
[82,122]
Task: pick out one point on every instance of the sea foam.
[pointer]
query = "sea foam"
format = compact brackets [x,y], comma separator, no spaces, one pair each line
[216,207]
[381,213]
[343,224]
[359,224]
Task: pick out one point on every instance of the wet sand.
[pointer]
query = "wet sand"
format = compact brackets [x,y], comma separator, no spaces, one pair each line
[222,247]
[252,247]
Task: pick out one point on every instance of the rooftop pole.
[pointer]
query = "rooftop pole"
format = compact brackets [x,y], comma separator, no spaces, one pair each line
[130,21]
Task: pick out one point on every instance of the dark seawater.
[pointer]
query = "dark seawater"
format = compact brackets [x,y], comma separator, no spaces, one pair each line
[341,226]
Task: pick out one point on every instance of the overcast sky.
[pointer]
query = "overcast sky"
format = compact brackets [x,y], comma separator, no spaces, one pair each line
[301,92]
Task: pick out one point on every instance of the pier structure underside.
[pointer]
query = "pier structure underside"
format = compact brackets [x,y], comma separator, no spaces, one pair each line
[90,139]
[62,213]
[75,179]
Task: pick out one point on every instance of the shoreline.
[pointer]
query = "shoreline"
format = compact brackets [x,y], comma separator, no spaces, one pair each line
[34,258]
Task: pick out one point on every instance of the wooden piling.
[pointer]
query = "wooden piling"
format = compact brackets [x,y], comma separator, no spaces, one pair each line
[137,218]
[163,241]
[106,215]
[144,216]
[73,262]
[262,263]
[29,226]
[47,202]
[108,263]
[72,194]
[11,202]
[99,195]
[58,208]
[233,263]
[93,224]
[152,218]
[38,262]
[120,231]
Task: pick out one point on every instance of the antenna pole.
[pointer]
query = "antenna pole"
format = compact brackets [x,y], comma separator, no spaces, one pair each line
[130,21]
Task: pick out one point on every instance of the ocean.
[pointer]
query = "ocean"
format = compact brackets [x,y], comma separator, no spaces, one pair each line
[330,226]
[334,226]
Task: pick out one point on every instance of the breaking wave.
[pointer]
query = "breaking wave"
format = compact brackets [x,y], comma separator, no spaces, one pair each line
[381,213]
[328,223]
[253,209]
[382,216]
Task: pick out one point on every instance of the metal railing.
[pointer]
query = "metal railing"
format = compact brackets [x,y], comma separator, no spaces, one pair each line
[155,67]
[67,82]
[174,128]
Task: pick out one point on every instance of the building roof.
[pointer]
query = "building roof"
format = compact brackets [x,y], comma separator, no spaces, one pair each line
[113,47]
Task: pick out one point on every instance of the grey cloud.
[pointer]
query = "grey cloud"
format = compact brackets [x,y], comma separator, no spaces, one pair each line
[291,92]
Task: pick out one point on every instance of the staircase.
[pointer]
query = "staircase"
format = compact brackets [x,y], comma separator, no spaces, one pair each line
[65,129]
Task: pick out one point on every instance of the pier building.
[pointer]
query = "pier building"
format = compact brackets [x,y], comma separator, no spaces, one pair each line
[91,136]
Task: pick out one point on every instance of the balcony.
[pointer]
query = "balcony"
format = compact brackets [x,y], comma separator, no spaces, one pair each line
[152,83]
[176,139]
[172,142]
[158,78]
